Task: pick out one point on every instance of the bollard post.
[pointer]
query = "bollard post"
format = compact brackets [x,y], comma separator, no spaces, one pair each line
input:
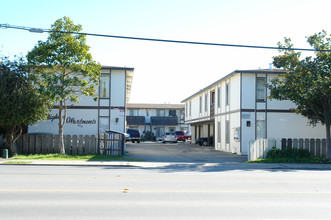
[5,153]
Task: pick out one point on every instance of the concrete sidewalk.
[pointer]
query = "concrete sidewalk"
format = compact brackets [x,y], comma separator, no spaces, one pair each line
[164,165]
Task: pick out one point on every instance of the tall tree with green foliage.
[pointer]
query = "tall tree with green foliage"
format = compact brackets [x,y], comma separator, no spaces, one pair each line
[63,68]
[21,103]
[308,83]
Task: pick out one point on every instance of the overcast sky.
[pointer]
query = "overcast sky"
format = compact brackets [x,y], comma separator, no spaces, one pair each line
[168,72]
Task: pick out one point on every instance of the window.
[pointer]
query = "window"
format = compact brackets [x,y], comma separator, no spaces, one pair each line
[186,109]
[227,94]
[260,129]
[227,132]
[190,108]
[219,97]
[133,112]
[172,113]
[103,124]
[160,112]
[104,86]
[219,135]
[200,104]
[260,89]
[206,102]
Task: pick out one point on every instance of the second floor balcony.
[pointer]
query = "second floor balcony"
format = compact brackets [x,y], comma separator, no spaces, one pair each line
[154,120]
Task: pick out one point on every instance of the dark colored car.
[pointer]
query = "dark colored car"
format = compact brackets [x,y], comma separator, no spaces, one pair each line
[134,135]
[204,141]
[180,135]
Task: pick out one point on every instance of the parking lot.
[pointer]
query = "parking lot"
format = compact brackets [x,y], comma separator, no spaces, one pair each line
[179,152]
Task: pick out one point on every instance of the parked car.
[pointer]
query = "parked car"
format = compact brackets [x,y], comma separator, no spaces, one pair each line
[180,135]
[203,141]
[187,136]
[169,137]
[134,135]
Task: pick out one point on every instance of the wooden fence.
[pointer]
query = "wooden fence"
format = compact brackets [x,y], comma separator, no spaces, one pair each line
[73,144]
[260,148]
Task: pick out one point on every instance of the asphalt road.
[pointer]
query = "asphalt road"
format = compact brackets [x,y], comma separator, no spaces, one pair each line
[176,181]
[183,152]
[125,192]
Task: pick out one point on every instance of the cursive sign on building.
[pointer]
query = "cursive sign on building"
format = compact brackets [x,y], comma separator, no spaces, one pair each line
[72,120]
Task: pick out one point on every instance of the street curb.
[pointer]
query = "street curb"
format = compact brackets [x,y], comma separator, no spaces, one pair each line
[164,165]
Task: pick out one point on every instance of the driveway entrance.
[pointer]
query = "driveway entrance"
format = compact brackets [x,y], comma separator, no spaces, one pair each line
[180,152]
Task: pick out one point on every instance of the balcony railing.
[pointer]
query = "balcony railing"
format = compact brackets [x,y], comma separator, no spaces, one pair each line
[159,120]
[135,120]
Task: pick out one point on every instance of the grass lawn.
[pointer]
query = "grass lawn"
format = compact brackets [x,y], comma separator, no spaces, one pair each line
[313,160]
[72,157]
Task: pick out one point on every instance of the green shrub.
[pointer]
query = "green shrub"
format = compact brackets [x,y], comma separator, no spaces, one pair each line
[288,152]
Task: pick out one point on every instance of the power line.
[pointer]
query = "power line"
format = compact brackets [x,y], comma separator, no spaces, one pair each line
[40,30]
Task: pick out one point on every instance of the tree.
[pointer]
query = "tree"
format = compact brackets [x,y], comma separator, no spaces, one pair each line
[21,104]
[63,68]
[308,83]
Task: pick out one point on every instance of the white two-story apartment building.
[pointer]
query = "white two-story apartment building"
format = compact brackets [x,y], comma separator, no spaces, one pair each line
[90,117]
[235,110]
[156,118]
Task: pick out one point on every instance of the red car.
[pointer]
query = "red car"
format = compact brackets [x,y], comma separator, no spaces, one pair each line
[180,135]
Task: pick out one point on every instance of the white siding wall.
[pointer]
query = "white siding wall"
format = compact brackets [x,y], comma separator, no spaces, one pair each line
[278,125]
[78,122]
[117,88]
[85,121]
[290,125]
[248,91]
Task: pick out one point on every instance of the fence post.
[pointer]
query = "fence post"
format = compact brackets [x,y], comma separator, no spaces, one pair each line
[38,144]
[312,147]
[249,150]
[56,144]
[105,147]
[86,149]
[74,145]
[290,143]
[283,143]
[99,142]
[278,143]
[44,141]
[301,143]
[318,147]
[67,143]
[295,143]
[307,144]
[25,144]
[80,144]
[18,145]
[93,145]
[324,150]
[50,144]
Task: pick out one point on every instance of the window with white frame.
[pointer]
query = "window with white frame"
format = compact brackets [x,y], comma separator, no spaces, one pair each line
[104,86]
[227,131]
[133,112]
[172,113]
[260,129]
[200,104]
[227,94]
[186,109]
[219,135]
[261,89]
[103,124]
[206,102]
[219,97]
[160,112]
[190,108]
